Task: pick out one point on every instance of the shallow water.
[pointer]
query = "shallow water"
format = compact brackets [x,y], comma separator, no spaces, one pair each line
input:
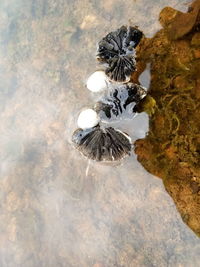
[58,208]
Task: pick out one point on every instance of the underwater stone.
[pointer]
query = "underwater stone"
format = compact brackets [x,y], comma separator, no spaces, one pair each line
[87,119]
[117,51]
[106,144]
[98,81]
[121,102]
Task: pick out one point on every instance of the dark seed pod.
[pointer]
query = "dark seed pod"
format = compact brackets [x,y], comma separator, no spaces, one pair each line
[102,144]
[120,102]
[117,51]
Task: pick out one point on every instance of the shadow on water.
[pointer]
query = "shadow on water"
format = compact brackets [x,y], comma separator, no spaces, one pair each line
[171,150]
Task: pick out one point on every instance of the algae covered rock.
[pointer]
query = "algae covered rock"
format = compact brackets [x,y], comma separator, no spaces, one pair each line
[171,150]
[178,24]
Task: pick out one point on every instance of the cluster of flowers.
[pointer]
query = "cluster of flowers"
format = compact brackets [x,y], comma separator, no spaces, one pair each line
[116,51]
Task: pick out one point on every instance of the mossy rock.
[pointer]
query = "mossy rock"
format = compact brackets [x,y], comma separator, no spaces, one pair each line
[171,150]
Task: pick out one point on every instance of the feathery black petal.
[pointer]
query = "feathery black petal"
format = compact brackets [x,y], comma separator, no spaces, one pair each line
[102,144]
[116,49]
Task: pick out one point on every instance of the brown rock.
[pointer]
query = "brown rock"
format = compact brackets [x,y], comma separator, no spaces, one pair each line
[178,24]
[196,39]
[171,148]
[196,53]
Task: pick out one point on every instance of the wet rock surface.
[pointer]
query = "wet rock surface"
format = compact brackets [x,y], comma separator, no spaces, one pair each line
[178,24]
[171,150]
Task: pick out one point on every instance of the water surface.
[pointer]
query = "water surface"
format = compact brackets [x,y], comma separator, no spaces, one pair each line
[57,208]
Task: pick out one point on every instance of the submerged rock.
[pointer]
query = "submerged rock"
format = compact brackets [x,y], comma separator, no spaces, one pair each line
[117,51]
[100,144]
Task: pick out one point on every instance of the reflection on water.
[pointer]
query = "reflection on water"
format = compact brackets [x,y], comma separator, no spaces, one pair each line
[145,76]
[57,209]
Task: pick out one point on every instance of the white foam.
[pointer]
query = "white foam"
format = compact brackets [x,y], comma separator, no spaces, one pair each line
[87,119]
[97,82]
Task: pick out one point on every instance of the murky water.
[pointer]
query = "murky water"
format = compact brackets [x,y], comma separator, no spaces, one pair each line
[57,208]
